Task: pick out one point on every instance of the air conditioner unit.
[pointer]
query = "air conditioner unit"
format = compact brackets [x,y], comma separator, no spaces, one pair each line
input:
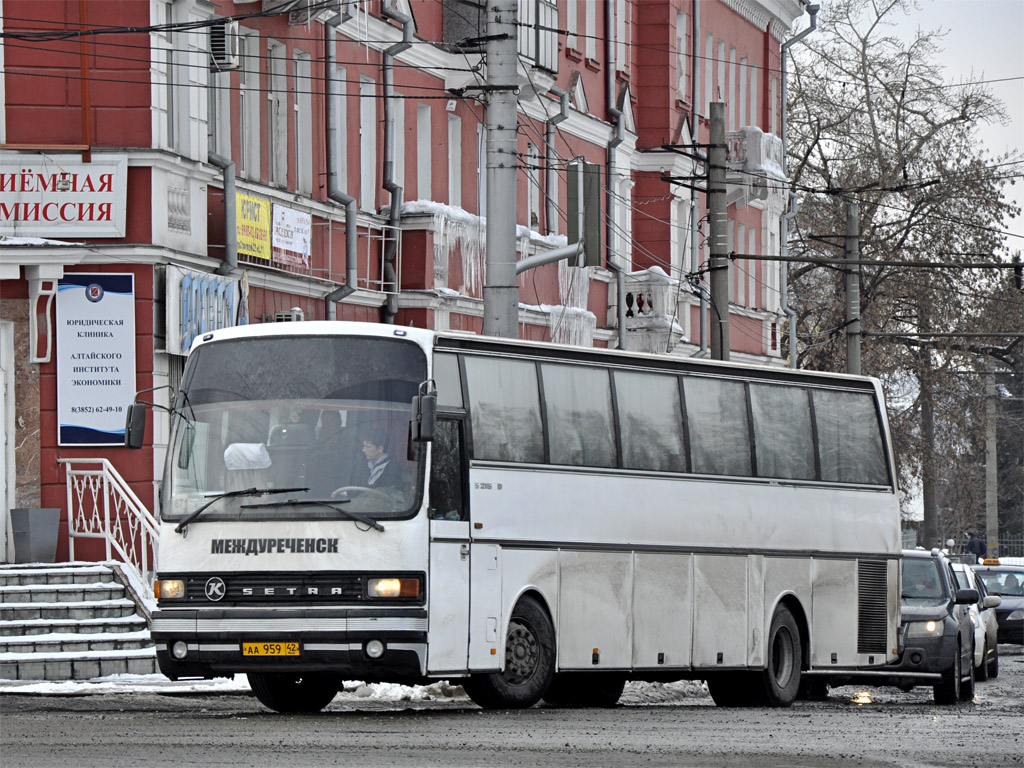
[224,47]
[293,315]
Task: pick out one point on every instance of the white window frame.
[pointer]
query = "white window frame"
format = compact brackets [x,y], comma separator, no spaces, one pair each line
[590,30]
[424,153]
[752,268]
[455,161]
[743,91]
[681,38]
[367,144]
[250,107]
[709,72]
[277,114]
[571,25]
[339,112]
[398,169]
[302,110]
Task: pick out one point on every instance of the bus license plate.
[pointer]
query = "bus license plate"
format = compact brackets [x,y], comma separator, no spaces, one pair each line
[270,649]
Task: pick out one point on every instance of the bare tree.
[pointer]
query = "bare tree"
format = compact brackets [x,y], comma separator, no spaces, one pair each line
[872,120]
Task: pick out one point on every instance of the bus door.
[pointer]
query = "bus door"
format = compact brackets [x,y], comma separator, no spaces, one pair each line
[448,588]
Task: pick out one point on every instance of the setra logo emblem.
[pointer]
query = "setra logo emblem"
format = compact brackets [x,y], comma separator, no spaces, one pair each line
[215,588]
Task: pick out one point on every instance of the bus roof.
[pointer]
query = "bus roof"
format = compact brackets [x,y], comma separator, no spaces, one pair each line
[458,340]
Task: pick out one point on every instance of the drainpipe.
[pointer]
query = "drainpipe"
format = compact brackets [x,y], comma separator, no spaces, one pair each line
[230,227]
[694,207]
[334,190]
[791,213]
[616,114]
[552,175]
[391,247]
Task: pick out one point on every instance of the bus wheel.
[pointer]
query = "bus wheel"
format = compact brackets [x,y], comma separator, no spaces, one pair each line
[529,662]
[782,675]
[283,692]
[585,689]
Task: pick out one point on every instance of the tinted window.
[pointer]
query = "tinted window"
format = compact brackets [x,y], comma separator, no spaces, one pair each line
[446,472]
[578,401]
[849,439]
[650,420]
[716,413]
[449,384]
[782,432]
[505,409]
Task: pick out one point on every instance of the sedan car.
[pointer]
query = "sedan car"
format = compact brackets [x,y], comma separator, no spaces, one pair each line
[983,618]
[1007,581]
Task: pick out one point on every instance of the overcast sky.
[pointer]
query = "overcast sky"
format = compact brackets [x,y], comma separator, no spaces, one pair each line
[985,39]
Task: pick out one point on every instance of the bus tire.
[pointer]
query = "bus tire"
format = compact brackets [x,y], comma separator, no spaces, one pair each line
[585,689]
[289,693]
[529,662]
[781,677]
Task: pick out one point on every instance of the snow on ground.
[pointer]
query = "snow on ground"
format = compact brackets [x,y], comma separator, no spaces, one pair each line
[635,693]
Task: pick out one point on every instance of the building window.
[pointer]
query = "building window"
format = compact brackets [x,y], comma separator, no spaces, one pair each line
[424,152]
[681,55]
[752,268]
[590,26]
[303,111]
[571,27]
[277,120]
[398,171]
[367,144]
[754,119]
[743,91]
[249,108]
[622,20]
[455,161]
[709,65]
[533,185]
[481,169]
[339,113]
[730,92]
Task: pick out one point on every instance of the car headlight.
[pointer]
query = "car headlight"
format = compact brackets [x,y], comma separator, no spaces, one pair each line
[1016,615]
[169,589]
[924,629]
[393,587]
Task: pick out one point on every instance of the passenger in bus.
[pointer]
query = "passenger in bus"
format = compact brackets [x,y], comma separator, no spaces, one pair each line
[382,471]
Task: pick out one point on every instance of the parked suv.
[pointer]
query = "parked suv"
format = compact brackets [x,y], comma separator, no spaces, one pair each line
[936,639]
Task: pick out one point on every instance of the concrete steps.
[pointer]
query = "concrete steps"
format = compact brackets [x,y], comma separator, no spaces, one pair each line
[70,622]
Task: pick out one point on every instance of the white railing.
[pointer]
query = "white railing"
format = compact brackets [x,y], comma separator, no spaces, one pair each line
[102,506]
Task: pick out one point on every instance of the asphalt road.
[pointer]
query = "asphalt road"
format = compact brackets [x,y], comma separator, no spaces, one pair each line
[654,726]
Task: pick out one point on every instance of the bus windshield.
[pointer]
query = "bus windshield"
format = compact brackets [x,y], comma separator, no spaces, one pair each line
[301,419]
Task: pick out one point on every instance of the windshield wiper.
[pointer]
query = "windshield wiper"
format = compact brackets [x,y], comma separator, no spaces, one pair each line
[357,516]
[231,494]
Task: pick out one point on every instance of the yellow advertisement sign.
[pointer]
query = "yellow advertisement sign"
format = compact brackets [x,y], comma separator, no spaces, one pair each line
[253,223]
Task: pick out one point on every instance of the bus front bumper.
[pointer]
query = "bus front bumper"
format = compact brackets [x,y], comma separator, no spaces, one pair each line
[360,644]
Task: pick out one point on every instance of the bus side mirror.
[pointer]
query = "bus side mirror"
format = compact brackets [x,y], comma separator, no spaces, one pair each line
[135,426]
[424,413]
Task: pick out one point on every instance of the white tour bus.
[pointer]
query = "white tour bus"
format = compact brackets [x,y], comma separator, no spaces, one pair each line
[540,521]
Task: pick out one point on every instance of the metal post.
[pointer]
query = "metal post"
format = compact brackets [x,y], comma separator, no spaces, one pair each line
[501,291]
[991,468]
[719,265]
[853,289]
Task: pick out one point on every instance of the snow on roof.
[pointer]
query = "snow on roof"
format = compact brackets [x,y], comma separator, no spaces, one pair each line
[15,241]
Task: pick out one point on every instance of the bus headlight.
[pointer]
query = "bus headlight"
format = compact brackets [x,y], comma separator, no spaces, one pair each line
[924,629]
[393,587]
[169,589]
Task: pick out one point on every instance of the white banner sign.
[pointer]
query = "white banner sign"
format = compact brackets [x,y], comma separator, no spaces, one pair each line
[95,357]
[292,236]
[60,196]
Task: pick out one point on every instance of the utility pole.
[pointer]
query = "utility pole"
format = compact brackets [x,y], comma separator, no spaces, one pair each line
[853,289]
[501,291]
[719,266]
[991,467]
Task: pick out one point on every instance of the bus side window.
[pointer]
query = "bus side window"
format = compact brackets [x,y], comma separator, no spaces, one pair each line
[447,499]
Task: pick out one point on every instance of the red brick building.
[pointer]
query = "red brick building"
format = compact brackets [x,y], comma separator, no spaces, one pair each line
[210,164]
